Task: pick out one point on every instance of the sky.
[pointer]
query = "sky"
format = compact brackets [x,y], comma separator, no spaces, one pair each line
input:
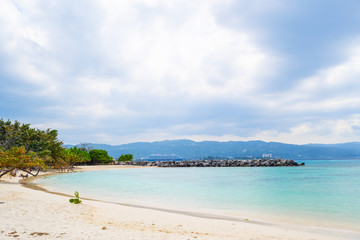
[115,72]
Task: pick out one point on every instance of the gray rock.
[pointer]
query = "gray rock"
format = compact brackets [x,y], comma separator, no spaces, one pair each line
[218,163]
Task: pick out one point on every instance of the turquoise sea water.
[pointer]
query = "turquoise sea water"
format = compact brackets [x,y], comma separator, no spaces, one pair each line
[325,193]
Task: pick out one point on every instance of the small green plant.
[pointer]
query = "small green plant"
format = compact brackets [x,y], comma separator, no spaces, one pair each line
[75,200]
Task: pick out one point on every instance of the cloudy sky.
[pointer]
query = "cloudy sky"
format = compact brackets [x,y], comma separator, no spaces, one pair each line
[110,71]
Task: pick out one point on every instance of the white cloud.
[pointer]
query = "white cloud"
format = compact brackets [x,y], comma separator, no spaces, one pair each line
[156,69]
[344,75]
[147,48]
[321,108]
[192,56]
[19,28]
[53,125]
[332,89]
[323,131]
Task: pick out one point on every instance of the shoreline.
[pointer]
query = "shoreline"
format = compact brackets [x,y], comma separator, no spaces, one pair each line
[169,223]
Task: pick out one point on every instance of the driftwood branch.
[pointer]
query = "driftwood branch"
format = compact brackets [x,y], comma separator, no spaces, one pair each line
[6,171]
[29,172]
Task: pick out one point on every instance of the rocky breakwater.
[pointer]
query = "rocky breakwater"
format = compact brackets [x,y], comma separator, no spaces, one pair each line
[218,163]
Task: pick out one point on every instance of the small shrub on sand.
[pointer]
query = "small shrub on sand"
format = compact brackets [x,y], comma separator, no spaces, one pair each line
[75,200]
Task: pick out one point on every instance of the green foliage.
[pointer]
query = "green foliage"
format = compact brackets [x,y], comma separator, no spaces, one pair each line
[26,148]
[9,134]
[76,156]
[99,156]
[75,200]
[35,140]
[18,158]
[44,143]
[125,158]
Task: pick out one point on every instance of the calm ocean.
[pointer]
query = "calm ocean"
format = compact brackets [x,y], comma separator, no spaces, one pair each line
[322,193]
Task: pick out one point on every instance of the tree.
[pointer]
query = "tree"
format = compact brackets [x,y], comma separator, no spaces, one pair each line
[76,155]
[17,158]
[126,158]
[9,134]
[99,156]
[35,140]
[25,148]
[85,147]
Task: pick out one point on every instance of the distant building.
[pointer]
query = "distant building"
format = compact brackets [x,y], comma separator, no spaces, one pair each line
[160,157]
[267,155]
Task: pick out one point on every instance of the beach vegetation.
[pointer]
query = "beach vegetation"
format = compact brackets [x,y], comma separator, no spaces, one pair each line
[125,158]
[17,158]
[15,134]
[99,156]
[77,156]
[75,200]
[32,150]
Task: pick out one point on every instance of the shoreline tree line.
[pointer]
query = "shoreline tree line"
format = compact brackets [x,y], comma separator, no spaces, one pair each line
[33,150]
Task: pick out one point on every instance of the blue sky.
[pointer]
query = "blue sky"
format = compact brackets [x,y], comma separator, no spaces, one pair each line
[108,71]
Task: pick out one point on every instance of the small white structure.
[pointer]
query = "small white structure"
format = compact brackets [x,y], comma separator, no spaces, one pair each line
[267,155]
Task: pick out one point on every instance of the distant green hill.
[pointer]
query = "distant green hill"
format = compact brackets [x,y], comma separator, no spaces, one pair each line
[188,149]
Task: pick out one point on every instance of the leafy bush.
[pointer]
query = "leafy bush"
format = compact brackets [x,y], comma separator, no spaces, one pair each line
[76,156]
[27,149]
[99,156]
[126,158]
[75,200]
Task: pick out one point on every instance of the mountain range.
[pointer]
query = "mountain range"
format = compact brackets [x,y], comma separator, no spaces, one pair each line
[188,149]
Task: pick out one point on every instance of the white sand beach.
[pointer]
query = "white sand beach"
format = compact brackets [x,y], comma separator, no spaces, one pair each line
[33,214]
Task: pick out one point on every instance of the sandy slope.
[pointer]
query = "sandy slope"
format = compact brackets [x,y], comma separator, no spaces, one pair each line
[32,214]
